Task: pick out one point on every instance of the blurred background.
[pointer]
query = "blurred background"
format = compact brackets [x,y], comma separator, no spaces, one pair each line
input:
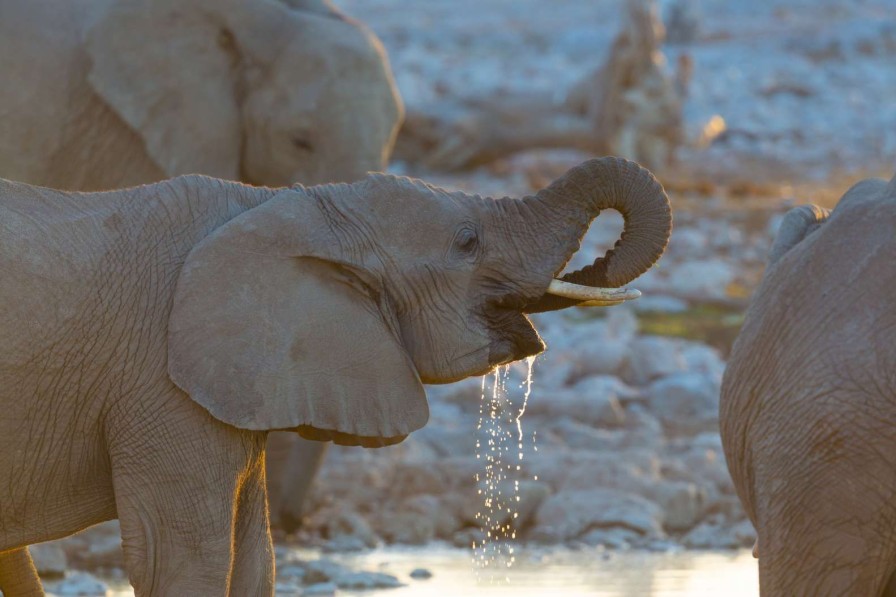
[742,108]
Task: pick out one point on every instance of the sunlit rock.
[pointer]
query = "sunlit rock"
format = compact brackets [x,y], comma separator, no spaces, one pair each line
[686,402]
[80,583]
[49,559]
[570,514]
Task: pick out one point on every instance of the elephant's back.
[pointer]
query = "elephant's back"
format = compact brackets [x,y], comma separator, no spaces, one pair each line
[816,349]
[50,247]
[55,128]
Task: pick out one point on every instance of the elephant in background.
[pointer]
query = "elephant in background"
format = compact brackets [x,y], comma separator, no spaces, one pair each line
[808,401]
[181,321]
[104,94]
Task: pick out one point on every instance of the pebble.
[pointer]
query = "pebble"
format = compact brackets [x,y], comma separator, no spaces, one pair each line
[80,583]
[322,589]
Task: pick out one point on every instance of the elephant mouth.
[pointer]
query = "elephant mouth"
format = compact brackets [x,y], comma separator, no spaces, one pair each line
[512,338]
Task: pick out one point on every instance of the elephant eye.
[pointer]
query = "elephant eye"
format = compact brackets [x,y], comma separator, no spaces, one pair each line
[302,144]
[466,242]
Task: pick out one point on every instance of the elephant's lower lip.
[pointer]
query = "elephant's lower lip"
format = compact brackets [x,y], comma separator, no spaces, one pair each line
[500,354]
[509,351]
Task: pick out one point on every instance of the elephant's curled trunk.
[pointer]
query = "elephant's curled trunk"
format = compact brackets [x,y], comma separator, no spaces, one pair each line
[613,183]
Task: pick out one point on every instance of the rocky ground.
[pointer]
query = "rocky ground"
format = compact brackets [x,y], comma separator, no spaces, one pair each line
[620,445]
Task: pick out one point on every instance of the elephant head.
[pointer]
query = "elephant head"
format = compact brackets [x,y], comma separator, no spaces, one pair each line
[323,309]
[263,91]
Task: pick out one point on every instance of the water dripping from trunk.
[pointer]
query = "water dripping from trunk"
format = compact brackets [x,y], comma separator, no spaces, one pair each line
[499,430]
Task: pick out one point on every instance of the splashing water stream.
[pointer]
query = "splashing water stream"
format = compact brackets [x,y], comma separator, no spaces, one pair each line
[499,509]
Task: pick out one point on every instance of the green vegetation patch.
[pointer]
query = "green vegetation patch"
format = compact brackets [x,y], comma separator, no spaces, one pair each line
[710,324]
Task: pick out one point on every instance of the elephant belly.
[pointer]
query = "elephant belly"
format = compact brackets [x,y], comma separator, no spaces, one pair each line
[54,481]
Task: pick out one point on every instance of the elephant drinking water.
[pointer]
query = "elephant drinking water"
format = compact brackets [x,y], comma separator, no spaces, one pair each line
[153,336]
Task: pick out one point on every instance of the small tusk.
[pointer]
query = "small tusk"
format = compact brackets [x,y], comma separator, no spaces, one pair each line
[594,297]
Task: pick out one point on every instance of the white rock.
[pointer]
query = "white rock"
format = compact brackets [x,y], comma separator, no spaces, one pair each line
[716,534]
[49,559]
[600,357]
[651,357]
[580,436]
[686,403]
[701,279]
[703,359]
[570,514]
[622,323]
[363,580]
[612,537]
[595,400]
[287,590]
[322,589]
[632,472]
[81,583]
[409,528]
[687,243]
[349,525]
[682,504]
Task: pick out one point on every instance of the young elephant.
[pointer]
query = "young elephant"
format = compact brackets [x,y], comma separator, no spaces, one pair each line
[103,94]
[809,400]
[153,336]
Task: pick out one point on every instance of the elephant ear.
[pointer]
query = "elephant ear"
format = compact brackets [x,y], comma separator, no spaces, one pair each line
[166,71]
[798,223]
[272,330]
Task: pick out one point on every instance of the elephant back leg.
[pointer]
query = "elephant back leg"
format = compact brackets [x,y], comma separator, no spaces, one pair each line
[828,563]
[293,463]
[824,531]
[18,577]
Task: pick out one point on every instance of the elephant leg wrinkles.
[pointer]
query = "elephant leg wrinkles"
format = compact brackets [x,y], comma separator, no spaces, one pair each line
[826,538]
[181,489]
[18,578]
[253,562]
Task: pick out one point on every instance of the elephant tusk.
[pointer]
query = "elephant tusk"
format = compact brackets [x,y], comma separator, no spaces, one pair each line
[592,297]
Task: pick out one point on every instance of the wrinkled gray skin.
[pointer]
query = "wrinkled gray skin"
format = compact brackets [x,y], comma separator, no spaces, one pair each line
[153,336]
[104,94]
[809,401]
[262,91]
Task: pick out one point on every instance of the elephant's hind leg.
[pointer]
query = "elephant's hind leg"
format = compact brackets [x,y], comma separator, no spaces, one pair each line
[253,564]
[809,570]
[18,578]
[827,542]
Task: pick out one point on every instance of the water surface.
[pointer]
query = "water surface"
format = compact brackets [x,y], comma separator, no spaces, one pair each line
[588,573]
[544,573]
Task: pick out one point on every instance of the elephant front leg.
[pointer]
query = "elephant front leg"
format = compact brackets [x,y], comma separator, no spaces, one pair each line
[18,578]
[177,491]
[253,563]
